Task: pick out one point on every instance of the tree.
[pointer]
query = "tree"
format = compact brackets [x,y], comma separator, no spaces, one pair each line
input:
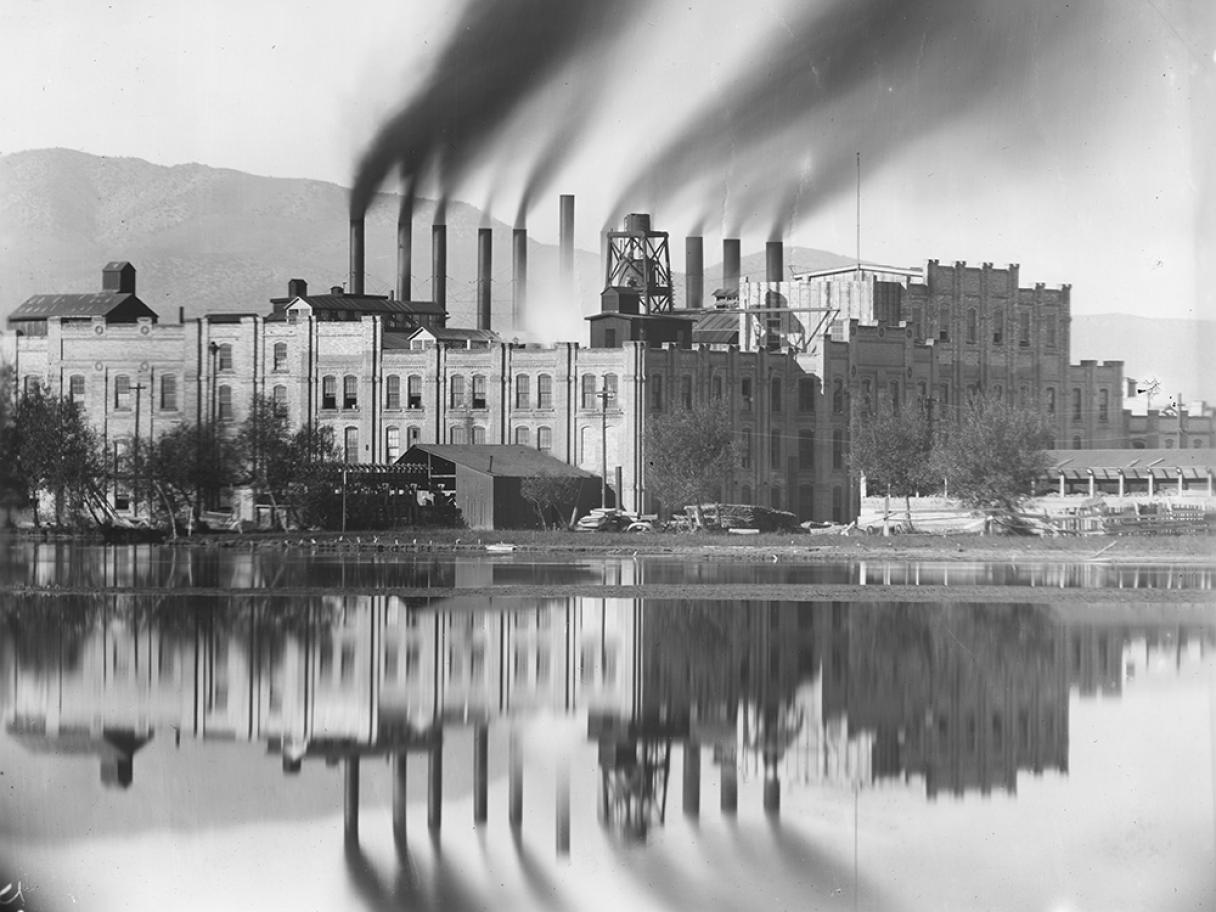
[312,469]
[13,491]
[186,466]
[892,449]
[552,495]
[993,454]
[688,453]
[55,451]
[266,451]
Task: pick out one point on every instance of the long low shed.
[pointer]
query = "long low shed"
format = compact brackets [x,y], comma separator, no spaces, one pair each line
[1124,472]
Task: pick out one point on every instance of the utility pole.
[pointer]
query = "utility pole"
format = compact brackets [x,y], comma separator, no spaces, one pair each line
[605,396]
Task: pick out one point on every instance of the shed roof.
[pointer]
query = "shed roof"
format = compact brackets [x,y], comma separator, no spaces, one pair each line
[1190,463]
[502,461]
[717,328]
[94,304]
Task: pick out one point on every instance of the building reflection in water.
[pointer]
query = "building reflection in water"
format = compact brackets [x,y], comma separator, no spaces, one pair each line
[955,699]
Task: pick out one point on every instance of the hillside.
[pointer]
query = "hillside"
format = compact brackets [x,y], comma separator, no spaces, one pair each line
[208,239]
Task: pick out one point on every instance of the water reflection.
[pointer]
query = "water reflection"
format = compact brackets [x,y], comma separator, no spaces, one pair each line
[248,565]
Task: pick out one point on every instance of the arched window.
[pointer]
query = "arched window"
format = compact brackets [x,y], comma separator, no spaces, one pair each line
[280,356]
[1050,325]
[715,387]
[392,392]
[544,439]
[456,391]
[998,326]
[588,385]
[412,435]
[479,435]
[523,391]
[280,401]
[1076,404]
[392,444]
[350,391]
[457,435]
[479,391]
[774,394]
[806,394]
[329,392]
[943,322]
[544,391]
[122,392]
[1076,442]
[168,393]
[76,388]
[413,392]
[523,436]
[745,393]
[838,397]
[223,403]
[774,449]
[972,325]
[610,384]
[1051,400]
[1024,327]
[1103,405]
[350,445]
[223,357]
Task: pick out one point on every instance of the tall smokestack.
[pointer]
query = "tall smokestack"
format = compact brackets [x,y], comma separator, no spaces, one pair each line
[405,244]
[439,264]
[519,249]
[730,265]
[774,261]
[566,231]
[485,238]
[694,272]
[356,256]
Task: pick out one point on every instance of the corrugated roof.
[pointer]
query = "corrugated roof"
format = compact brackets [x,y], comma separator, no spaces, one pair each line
[1133,463]
[500,461]
[45,306]
[717,328]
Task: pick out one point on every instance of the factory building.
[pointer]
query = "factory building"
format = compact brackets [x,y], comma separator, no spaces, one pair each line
[790,359]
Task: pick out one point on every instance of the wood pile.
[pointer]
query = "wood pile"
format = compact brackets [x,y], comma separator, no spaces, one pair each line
[746,516]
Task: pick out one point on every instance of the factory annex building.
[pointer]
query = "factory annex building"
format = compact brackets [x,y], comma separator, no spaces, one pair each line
[789,358]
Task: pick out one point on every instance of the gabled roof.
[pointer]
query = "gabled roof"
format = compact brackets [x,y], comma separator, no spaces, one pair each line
[456,334]
[496,460]
[80,306]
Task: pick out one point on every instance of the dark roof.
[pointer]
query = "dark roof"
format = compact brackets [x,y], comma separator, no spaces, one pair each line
[96,304]
[456,334]
[115,265]
[361,303]
[1193,463]
[500,461]
[717,328]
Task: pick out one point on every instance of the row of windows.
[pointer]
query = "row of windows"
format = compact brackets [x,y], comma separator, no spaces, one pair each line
[998,326]
[805,449]
[807,392]
[462,394]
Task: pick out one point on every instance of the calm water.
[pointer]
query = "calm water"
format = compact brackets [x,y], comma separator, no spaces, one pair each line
[187,728]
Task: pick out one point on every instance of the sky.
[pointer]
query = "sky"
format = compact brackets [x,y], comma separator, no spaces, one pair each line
[1071,138]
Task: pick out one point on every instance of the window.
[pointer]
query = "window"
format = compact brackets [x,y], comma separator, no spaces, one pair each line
[838,397]
[122,391]
[456,392]
[745,392]
[609,338]
[457,436]
[76,389]
[350,445]
[1169,443]
[479,436]
[837,509]
[329,392]
[350,391]
[656,392]
[1024,328]
[1076,442]
[610,384]
[745,451]
[686,392]
[523,391]
[168,392]
[806,449]
[1050,325]
[280,401]
[223,403]
[774,450]
[1103,405]
[895,400]
[223,358]
[774,394]
[998,326]
[1051,400]
[972,325]
[32,385]
[392,444]
[412,435]
[1076,404]
[838,449]
[998,392]
[588,383]
[479,391]
[392,392]
[280,356]
[715,388]
[544,439]
[544,392]
[806,508]
[867,399]
[943,322]
[523,436]
[413,392]
[943,398]
[806,394]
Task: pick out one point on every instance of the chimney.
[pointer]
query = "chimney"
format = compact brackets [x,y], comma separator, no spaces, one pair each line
[485,238]
[730,265]
[439,264]
[694,272]
[356,256]
[774,261]
[405,243]
[519,248]
[566,241]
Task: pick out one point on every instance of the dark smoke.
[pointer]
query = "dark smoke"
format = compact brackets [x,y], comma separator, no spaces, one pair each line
[501,53]
[854,75]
